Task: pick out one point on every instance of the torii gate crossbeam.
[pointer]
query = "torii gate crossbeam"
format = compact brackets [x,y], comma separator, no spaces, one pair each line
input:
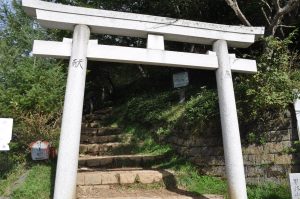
[83,21]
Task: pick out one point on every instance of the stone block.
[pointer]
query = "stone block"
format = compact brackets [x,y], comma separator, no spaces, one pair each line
[80,179]
[83,148]
[81,162]
[277,171]
[277,136]
[148,177]
[93,148]
[87,130]
[254,171]
[265,159]
[105,161]
[253,150]
[249,159]
[196,151]
[92,162]
[110,178]
[128,177]
[254,180]
[283,159]
[216,161]
[94,178]
[217,171]
[276,147]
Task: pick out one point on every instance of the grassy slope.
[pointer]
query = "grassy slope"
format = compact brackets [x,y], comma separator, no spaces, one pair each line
[38,184]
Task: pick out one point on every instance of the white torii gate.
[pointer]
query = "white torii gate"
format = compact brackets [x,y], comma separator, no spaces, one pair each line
[156,29]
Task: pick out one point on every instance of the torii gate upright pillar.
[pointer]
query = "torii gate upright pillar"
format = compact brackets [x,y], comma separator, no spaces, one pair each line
[67,163]
[230,128]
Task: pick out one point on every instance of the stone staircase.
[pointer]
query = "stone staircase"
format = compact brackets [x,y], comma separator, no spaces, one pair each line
[107,169]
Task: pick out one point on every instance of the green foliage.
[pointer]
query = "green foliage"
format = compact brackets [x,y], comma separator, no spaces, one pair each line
[202,106]
[31,89]
[7,182]
[38,184]
[163,114]
[268,191]
[264,97]
[147,109]
[189,177]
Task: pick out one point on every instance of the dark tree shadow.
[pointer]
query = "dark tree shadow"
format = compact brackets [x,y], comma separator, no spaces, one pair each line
[53,173]
[171,185]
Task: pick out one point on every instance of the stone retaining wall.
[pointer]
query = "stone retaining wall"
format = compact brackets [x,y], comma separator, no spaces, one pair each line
[271,161]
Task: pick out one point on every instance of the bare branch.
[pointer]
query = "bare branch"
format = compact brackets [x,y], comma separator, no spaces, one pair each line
[285,26]
[235,7]
[265,15]
[268,6]
[277,5]
[291,5]
[275,22]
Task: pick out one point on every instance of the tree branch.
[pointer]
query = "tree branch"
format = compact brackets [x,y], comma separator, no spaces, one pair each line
[268,6]
[285,26]
[277,5]
[265,15]
[275,22]
[235,7]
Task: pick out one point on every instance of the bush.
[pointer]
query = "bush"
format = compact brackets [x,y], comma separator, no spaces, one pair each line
[264,97]
[31,89]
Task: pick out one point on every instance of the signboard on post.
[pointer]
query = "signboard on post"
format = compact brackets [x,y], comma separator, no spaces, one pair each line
[180,79]
[6,125]
[295,185]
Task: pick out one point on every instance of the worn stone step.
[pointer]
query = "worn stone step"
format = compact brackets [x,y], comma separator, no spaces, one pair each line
[103,149]
[104,110]
[100,131]
[93,169]
[119,161]
[107,192]
[121,177]
[98,115]
[93,124]
[98,139]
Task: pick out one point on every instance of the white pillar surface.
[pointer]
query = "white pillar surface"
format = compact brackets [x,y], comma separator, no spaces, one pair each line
[66,172]
[230,129]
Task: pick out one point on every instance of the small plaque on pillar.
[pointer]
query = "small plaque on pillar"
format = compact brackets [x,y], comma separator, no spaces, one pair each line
[295,185]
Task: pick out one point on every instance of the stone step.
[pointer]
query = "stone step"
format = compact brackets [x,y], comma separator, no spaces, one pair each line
[119,161]
[107,192]
[104,110]
[103,149]
[97,116]
[99,139]
[100,131]
[93,124]
[117,177]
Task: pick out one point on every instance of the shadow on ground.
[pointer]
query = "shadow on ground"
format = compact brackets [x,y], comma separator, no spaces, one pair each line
[171,185]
